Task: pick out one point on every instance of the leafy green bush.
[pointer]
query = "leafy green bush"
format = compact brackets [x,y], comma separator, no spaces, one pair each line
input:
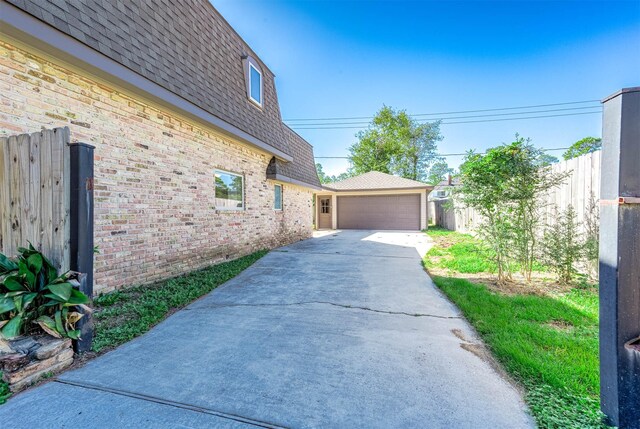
[563,246]
[32,293]
[5,393]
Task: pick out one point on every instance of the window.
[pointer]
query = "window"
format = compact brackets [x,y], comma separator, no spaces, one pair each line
[255,84]
[253,80]
[325,206]
[277,204]
[229,191]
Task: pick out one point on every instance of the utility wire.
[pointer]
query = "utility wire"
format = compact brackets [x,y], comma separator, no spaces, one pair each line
[449,113]
[459,122]
[440,154]
[459,117]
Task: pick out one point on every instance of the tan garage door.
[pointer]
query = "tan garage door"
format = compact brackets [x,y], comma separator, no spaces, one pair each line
[379,212]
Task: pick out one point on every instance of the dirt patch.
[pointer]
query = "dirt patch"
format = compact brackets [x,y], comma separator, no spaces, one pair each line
[540,284]
[559,325]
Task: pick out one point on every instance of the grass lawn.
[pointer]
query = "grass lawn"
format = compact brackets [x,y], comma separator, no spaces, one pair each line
[547,341]
[122,315]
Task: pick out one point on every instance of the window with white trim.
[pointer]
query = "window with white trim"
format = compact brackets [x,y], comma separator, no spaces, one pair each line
[229,191]
[277,202]
[253,77]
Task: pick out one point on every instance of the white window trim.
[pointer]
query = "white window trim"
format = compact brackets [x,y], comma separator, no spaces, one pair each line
[228,209]
[257,69]
[281,197]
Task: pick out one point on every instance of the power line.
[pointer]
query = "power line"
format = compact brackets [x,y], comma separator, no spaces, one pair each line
[448,113]
[460,122]
[459,117]
[440,154]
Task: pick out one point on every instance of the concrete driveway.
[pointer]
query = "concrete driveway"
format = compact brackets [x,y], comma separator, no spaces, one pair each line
[340,331]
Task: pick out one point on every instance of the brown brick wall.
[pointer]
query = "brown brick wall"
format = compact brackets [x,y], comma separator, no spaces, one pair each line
[154,209]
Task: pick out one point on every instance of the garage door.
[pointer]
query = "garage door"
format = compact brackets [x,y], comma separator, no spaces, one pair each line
[379,212]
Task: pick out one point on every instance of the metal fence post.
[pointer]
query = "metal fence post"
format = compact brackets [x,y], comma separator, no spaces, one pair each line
[620,260]
[81,218]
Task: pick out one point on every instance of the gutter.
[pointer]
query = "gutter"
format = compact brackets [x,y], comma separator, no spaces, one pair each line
[25,28]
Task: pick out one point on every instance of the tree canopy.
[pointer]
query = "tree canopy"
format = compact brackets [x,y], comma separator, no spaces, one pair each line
[582,147]
[438,171]
[395,143]
[325,178]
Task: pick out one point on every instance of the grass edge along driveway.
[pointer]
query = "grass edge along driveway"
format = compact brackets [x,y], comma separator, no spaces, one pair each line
[547,342]
[122,315]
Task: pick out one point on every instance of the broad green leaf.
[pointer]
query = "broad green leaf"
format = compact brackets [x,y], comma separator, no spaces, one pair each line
[53,300]
[6,264]
[12,329]
[48,325]
[35,263]
[30,278]
[61,290]
[6,304]
[28,299]
[17,301]
[75,334]
[12,284]
[52,273]
[77,297]
[58,319]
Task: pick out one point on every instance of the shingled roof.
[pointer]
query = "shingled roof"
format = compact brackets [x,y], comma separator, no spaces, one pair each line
[375,181]
[186,47]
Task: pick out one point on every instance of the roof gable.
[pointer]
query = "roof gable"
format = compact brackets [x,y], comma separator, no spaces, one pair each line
[375,180]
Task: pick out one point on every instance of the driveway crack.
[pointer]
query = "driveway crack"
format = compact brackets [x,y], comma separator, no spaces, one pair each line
[347,306]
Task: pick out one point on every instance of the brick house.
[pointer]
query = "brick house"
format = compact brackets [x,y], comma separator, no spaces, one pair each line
[193,164]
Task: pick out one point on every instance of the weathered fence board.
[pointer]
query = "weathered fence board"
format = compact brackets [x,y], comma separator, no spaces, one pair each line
[581,190]
[35,194]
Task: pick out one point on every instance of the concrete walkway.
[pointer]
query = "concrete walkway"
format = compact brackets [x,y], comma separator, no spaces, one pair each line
[340,331]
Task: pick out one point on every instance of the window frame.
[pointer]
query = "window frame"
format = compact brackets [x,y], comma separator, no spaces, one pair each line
[277,185]
[252,65]
[326,206]
[234,209]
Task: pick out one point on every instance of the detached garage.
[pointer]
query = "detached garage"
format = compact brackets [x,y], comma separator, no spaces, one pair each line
[373,200]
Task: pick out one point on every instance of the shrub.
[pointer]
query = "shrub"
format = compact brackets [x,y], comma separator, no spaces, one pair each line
[563,246]
[504,186]
[32,293]
[5,393]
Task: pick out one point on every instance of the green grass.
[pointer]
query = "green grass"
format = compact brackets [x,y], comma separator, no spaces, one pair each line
[5,393]
[547,343]
[458,252]
[123,315]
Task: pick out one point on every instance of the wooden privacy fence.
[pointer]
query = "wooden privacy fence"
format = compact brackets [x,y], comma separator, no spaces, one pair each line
[35,194]
[581,189]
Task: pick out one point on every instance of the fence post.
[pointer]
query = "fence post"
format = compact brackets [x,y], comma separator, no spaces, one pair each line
[82,231]
[620,260]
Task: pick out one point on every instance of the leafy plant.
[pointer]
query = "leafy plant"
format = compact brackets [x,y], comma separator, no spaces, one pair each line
[5,393]
[592,236]
[32,293]
[504,186]
[583,147]
[563,246]
[395,143]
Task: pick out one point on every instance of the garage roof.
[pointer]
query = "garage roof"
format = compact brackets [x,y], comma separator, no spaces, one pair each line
[375,181]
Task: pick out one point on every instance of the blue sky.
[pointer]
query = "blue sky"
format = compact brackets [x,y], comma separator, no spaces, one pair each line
[348,59]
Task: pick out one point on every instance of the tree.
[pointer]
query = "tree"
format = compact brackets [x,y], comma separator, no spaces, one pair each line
[546,159]
[582,147]
[504,186]
[324,178]
[563,245]
[394,143]
[438,171]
